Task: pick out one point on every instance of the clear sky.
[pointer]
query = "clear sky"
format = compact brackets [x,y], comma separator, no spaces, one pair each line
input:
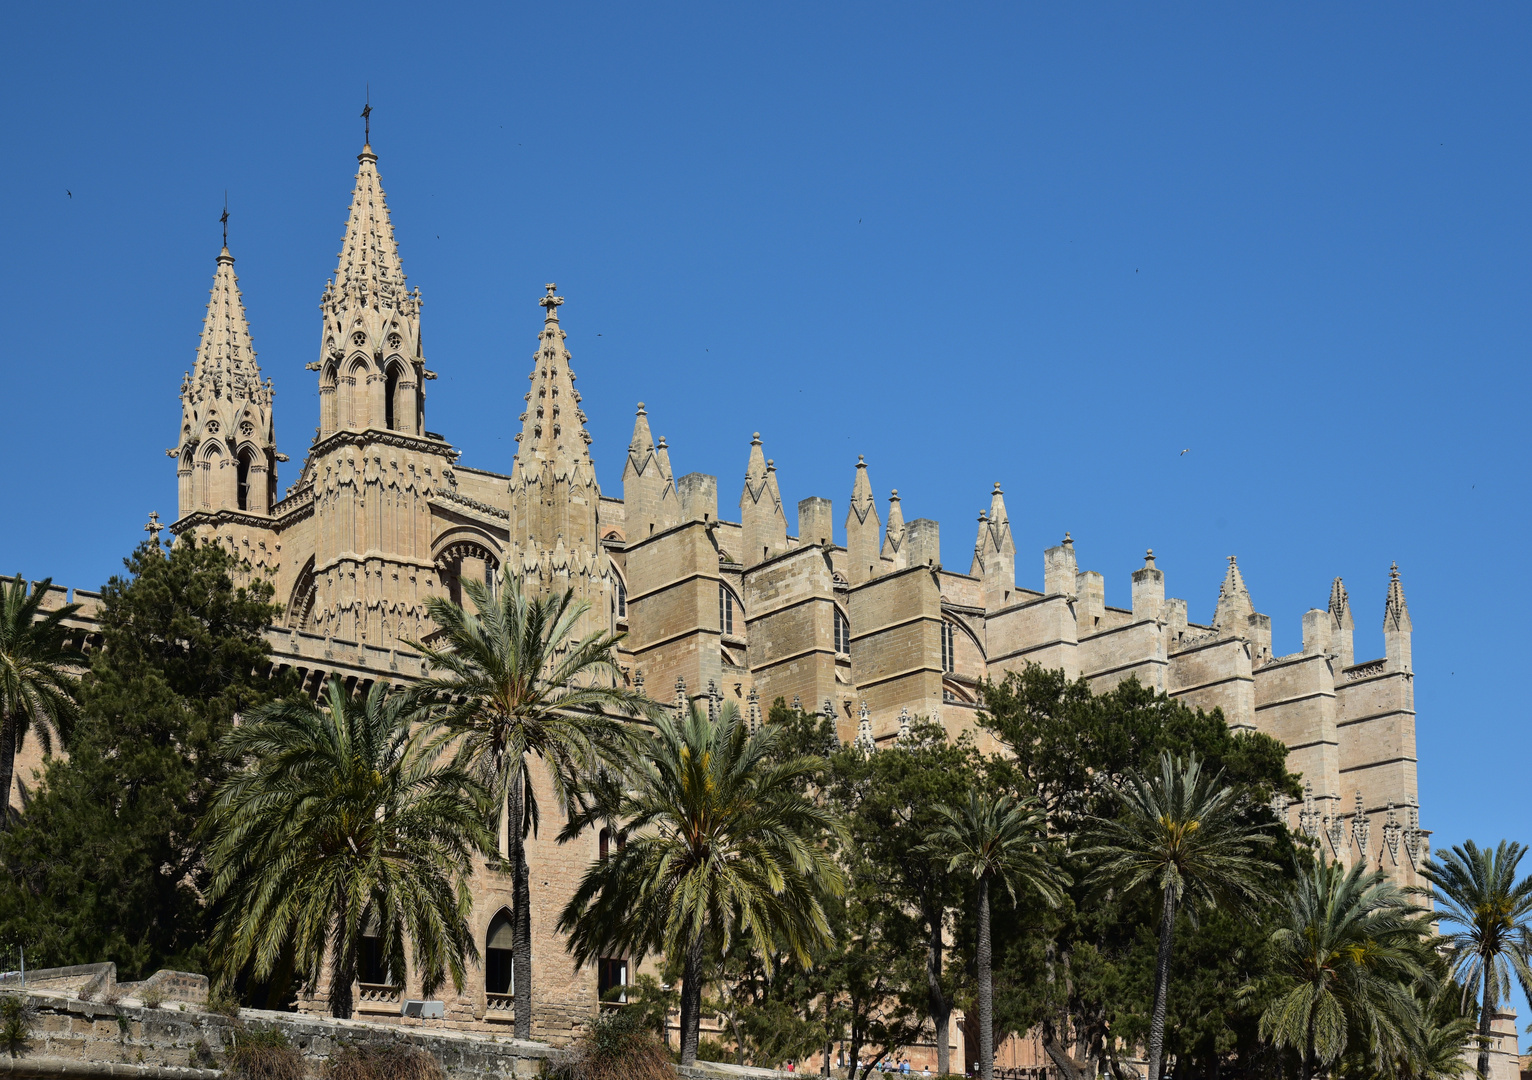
[1213,280]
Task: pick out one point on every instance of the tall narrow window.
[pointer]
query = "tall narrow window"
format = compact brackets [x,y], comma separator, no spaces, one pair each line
[622,600]
[244,481]
[498,972]
[390,396]
[611,979]
[370,964]
[842,633]
[725,610]
[948,641]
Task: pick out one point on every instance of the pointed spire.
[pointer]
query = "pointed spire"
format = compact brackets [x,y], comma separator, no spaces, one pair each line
[994,552]
[647,492]
[1396,613]
[894,533]
[1234,604]
[225,410]
[369,274]
[862,526]
[762,521]
[1341,624]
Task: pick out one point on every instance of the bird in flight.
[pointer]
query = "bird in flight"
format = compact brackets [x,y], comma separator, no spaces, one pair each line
[69,193]
[1188,450]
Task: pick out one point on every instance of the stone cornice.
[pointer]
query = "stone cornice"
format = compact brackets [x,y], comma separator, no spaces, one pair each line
[370,436]
[472,504]
[216,518]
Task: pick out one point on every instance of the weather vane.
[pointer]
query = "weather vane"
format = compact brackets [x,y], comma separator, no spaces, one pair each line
[367,117]
[225,218]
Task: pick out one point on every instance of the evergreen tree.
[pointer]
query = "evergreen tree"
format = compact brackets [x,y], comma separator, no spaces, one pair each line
[106,862]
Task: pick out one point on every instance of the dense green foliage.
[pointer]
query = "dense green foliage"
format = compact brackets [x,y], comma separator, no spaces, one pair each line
[38,692]
[350,819]
[722,852]
[515,687]
[107,863]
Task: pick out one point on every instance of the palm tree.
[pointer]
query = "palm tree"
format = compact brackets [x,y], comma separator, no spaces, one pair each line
[1477,890]
[349,820]
[1345,958]
[995,840]
[1182,831]
[722,841]
[518,686]
[38,691]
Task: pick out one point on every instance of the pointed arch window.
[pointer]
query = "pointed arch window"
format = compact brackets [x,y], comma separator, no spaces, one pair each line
[842,633]
[622,599]
[499,963]
[949,648]
[242,484]
[391,398]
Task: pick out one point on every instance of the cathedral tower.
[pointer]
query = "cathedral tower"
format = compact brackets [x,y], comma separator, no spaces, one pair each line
[555,501]
[372,469]
[227,453]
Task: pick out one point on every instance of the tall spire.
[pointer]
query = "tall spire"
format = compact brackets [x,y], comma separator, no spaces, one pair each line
[369,272]
[555,500]
[1341,624]
[371,360]
[226,413]
[1396,613]
[862,552]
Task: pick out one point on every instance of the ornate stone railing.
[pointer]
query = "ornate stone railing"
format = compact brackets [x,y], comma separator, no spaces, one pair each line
[1365,671]
[500,1006]
[378,997]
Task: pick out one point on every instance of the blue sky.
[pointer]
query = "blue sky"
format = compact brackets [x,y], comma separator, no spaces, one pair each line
[1050,246]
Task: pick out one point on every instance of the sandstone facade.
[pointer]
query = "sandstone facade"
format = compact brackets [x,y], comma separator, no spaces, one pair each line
[383,515]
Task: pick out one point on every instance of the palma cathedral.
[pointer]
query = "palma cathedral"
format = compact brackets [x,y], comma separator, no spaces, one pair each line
[730,603]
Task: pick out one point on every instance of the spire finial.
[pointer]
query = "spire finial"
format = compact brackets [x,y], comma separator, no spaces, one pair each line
[641,409]
[1393,572]
[551,302]
[225,219]
[1149,558]
[154,527]
[367,117]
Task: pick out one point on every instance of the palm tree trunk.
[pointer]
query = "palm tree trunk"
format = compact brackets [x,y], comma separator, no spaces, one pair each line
[986,988]
[691,1002]
[938,1005]
[342,975]
[1161,986]
[1486,1017]
[521,907]
[7,764]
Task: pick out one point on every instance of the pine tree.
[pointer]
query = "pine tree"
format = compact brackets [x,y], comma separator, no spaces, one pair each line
[106,862]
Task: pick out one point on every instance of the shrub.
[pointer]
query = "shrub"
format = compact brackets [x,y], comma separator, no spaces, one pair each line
[152,996]
[387,1061]
[616,1046]
[222,1002]
[263,1054]
[17,1014]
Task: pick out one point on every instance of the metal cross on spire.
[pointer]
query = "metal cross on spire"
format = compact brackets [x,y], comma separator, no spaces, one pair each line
[225,218]
[367,117]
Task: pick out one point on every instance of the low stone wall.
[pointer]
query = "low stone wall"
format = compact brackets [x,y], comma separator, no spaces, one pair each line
[74,1038]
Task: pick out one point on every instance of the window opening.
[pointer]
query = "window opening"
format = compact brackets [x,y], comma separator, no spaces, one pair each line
[244,481]
[842,633]
[390,392]
[622,600]
[725,609]
[499,972]
[948,648]
[611,976]
[370,964]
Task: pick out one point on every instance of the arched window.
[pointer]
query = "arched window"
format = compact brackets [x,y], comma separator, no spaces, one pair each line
[725,609]
[371,965]
[499,967]
[949,649]
[842,633]
[390,394]
[242,485]
[622,599]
